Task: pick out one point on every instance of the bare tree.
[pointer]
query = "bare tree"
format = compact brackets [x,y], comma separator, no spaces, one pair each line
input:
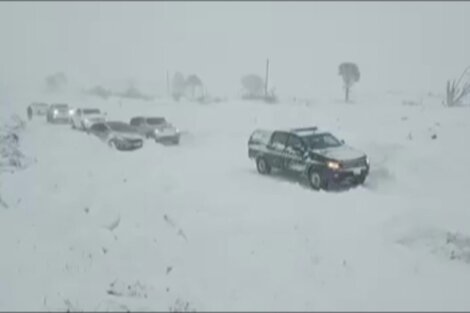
[457,90]
[350,73]
[178,86]
[132,92]
[56,82]
[253,85]
[193,82]
[99,91]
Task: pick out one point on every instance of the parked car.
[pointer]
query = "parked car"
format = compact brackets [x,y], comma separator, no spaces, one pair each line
[313,154]
[39,108]
[157,128]
[118,135]
[83,118]
[59,113]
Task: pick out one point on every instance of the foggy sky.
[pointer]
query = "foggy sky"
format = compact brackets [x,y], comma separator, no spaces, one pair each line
[397,45]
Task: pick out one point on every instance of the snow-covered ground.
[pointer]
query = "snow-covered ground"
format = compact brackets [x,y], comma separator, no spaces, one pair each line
[195,227]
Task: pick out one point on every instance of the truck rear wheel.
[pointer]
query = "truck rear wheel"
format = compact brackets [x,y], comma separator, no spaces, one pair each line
[263,166]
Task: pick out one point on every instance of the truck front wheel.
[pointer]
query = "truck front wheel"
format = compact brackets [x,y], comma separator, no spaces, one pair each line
[315,179]
[262,166]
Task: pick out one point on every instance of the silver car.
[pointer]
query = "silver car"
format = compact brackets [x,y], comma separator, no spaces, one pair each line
[83,118]
[118,135]
[39,108]
[157,128]
[59,113]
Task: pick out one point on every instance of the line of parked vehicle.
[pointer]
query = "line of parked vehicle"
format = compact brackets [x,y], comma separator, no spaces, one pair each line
[320,157]
[117,134]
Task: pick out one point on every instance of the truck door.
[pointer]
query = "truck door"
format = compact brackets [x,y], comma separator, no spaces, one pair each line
[294,154]
[276,149]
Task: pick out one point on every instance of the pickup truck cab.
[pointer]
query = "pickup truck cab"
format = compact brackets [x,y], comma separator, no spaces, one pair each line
[313,154]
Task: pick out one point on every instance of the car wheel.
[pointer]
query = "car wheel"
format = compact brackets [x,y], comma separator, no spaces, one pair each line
[361,179]
[315,179]
[262,166]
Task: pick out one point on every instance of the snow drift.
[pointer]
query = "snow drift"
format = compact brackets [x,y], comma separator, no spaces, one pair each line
[194,227]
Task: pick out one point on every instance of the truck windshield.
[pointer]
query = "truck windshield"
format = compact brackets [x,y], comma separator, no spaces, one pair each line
[321,141]
[156,120]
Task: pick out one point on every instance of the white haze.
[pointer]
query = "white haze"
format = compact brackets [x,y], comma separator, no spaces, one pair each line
[397,45]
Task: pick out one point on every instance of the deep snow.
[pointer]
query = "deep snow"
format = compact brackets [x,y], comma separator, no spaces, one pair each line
[195,227]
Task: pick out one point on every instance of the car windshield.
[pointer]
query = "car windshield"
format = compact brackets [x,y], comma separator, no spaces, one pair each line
[91,111]
[61,109]
[321,141]
[156,120]
[121,127]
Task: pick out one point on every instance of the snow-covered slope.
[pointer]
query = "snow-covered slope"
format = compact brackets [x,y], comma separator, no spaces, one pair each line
[194,227]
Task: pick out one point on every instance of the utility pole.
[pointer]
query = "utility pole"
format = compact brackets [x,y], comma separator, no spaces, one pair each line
[266,79]
[167,83]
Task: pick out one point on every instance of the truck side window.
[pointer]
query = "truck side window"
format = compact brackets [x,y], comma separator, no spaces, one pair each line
[260,137]
[279,140]
[136,121]
[293,142]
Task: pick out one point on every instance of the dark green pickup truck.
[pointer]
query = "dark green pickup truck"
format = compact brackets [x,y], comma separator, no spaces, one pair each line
[313,154]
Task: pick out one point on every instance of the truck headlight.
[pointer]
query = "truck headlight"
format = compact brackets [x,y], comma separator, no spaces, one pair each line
[55,112]
[156,131]
[333,165]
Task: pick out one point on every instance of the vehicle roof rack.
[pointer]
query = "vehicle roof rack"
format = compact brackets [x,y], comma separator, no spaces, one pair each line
[313,128]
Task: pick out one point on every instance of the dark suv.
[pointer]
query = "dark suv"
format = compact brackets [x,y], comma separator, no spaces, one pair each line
[311,153]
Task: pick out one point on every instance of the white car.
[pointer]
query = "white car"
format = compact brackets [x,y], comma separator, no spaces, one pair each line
[39,108]
[59,113]
[84,118]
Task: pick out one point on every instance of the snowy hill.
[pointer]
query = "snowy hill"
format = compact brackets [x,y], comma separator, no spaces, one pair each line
[195,227]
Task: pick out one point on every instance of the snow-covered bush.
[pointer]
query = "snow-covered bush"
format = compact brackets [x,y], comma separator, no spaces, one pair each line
[11,157]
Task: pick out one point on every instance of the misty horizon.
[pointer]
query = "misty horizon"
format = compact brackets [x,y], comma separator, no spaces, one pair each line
[397,45]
